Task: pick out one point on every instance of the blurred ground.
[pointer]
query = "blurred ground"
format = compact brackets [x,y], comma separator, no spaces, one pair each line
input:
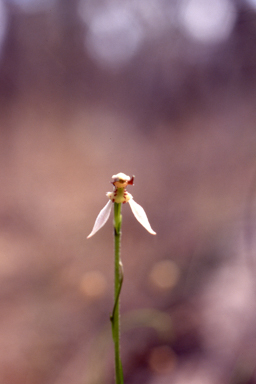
[164,90]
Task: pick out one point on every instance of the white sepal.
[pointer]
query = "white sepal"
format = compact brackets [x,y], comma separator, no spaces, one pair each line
[141,216]
[102,218]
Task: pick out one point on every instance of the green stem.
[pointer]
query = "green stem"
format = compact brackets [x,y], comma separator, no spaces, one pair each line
[115,317]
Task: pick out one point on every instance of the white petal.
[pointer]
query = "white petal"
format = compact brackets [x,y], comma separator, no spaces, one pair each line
[141,216]
[121,176]
[102,218]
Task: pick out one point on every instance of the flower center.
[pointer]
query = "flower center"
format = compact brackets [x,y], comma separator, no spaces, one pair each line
[119,195]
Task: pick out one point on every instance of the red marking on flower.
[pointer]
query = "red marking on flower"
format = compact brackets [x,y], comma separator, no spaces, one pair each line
[131,181]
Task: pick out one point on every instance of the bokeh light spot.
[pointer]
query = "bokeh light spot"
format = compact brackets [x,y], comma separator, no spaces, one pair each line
[207,21]
[164,274]
[114,37]
[93,284]
[162,359]
[252,3]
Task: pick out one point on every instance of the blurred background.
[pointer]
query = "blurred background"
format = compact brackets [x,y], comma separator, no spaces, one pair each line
[161,89]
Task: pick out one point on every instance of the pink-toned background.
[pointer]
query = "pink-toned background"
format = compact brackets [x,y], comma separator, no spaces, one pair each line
[164,90]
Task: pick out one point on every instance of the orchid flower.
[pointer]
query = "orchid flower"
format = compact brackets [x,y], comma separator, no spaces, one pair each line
[120,195]
[116,198]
